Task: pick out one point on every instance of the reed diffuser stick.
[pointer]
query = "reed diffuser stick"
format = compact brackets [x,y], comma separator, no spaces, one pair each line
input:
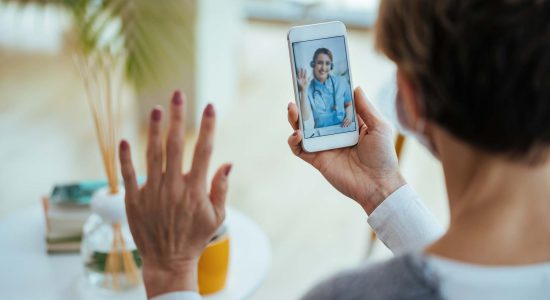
[102,74]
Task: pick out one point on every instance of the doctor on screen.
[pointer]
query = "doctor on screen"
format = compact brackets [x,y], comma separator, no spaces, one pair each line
[328,96]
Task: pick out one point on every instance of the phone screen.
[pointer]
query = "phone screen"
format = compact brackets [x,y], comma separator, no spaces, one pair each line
[324,85]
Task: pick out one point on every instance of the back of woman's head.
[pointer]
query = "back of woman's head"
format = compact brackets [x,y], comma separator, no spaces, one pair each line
[482,67]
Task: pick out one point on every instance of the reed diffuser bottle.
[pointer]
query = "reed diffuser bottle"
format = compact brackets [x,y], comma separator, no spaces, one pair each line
[110,256]
[108,251]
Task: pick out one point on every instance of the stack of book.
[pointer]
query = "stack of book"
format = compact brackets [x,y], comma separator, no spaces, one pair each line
[67,209]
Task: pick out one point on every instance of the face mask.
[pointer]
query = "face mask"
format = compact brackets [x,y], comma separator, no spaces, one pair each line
[418,131]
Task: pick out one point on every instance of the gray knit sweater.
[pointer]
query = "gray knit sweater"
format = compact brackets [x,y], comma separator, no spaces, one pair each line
[403,277]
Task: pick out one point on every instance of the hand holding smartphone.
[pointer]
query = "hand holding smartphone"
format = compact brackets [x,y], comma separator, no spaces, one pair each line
[323,119]
[322,86]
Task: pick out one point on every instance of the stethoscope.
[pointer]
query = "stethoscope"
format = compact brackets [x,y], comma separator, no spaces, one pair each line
[319,99]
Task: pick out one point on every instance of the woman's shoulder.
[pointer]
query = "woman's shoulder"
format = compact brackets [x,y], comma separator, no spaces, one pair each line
[403,277]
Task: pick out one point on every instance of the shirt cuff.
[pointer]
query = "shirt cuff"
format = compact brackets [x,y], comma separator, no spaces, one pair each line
[182,295]
[403,223]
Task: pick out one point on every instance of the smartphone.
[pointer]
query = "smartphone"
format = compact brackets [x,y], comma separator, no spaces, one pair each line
[321,76]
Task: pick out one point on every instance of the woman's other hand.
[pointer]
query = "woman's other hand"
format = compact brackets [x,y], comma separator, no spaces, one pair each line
[346,122]
[348,119]
[367,172]
[173,216]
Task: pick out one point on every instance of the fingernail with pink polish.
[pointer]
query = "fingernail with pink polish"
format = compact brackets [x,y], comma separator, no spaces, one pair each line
[156,114]
[209,111]
[176,99]
[124,145]
[228,170]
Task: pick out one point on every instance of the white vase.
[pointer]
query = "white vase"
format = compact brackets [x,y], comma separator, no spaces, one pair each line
[108,251]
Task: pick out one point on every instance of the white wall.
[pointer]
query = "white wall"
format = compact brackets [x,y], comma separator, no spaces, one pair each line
[220,25]
[32,28]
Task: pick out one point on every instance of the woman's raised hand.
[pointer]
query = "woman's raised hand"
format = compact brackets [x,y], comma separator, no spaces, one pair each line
[302,80]
[173,216]
[367,172]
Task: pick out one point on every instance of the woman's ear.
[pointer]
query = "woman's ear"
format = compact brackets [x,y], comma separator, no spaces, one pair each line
[408,101]
[410,112]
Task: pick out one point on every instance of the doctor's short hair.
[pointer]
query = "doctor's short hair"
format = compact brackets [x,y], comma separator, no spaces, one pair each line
[321,51]
[482,68]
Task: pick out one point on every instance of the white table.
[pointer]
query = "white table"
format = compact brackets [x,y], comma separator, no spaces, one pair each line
[28,272]
[322,131]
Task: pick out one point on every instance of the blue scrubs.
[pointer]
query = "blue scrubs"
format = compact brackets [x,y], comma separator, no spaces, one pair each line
[327,100]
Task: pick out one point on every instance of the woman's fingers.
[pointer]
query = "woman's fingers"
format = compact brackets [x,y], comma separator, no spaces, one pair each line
[365,109]
[293,115]
[218,190]
[346,122]
[360,121]
[203,148]
[128,173]
[154,148]
[294,141]
[174,139]
[302,77]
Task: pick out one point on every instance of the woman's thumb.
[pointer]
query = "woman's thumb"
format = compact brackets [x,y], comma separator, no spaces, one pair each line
[218,190]
[365,109]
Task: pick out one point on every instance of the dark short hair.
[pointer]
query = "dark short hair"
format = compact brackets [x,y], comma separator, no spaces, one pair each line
[482,67]
[322,51]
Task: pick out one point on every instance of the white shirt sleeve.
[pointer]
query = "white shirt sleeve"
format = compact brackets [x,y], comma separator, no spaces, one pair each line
[181,295]
[403,223]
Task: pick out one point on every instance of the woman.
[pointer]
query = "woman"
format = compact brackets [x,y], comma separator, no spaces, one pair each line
[326,96]
[474,86]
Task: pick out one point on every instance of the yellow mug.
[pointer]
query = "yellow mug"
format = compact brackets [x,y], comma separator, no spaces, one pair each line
[213,265]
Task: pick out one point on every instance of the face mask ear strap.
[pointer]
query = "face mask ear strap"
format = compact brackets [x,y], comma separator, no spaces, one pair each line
[420,125]
[420,130]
